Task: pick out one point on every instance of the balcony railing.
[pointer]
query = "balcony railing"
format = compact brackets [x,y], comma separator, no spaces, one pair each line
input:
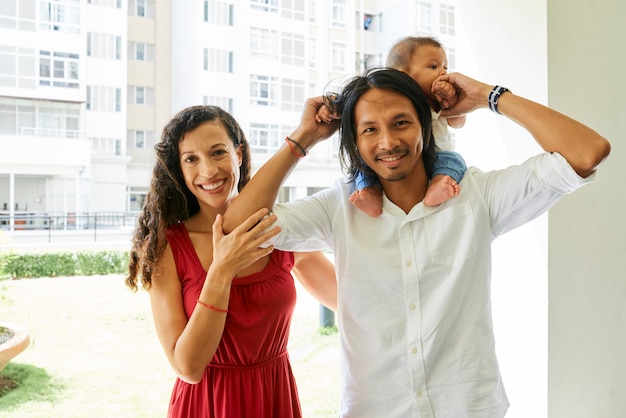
[48,227]
[52,133]
[29,221]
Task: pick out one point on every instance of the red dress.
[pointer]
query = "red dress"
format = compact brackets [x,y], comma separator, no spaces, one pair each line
[250,375]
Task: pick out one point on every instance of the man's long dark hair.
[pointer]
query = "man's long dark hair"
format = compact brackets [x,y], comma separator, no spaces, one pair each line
[344,103]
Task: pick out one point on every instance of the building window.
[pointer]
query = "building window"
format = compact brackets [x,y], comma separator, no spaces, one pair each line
[106,146]
[141,8]
[264,43]
[312,52]
[60,15]
[43,118]
[292,9]
[292,95]
[140,139]
[424,18]
[18,67]
[225,103]
[58,69]
[451,54]
[118,100]
[104,99]
[137,199]
[264,5]
[264,138]
[102,45]
[446,19]
[140,95]
[139,51]
[336,143]
[117,4]
[312,11]
[218,60]
[292,49]
[218,12]
[338,57]
[338,14]
[367,21]
[263,90]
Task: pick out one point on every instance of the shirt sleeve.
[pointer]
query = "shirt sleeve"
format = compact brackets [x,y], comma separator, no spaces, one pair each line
[306,223]
[519,194]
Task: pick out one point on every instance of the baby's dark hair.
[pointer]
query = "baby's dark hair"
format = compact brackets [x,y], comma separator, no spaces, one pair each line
[401,52]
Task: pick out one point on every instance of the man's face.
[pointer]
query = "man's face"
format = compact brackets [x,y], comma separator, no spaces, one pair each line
[389,134]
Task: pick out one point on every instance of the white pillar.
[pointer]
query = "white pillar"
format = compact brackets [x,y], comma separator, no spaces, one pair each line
[587,244]
[11,201]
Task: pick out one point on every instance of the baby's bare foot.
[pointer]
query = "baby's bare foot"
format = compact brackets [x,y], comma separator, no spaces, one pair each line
[369,200]
[440,189]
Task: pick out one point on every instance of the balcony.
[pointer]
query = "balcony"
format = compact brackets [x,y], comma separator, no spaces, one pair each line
[44,151]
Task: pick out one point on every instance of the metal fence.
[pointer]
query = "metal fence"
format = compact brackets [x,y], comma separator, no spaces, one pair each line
[33,221]
[29,228]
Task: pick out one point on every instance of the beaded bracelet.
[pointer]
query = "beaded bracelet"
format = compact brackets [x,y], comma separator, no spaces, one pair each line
[293,144]
[211,307]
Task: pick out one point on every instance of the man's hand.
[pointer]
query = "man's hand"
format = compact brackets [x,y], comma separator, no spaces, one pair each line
[471,94]
[312,129]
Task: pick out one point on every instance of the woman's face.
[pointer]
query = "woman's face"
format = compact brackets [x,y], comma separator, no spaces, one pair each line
[210,164]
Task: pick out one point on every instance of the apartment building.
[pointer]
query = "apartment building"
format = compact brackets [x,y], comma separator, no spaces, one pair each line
[87,85]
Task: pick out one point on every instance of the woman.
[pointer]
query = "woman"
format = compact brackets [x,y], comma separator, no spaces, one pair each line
[222,304]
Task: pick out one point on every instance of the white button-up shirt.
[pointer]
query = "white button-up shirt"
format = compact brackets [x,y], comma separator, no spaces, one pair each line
[414,310]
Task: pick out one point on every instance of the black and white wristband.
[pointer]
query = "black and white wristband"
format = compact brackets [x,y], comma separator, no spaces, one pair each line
[494,96]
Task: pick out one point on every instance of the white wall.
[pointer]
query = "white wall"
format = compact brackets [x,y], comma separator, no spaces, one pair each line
[570,56]
[495,44]
[587,350]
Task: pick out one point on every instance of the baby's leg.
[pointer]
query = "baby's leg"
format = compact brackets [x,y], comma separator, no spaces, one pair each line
[369,200]
[440,189]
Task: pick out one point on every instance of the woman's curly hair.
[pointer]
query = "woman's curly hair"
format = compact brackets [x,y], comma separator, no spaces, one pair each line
[344,104]
[169,200]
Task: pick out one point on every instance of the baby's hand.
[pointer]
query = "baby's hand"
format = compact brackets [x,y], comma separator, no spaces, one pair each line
[325,115]
[445,93]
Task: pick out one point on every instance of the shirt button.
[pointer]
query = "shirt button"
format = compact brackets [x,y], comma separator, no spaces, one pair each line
[414,351]
[409,264]
[418,393]
[412,306]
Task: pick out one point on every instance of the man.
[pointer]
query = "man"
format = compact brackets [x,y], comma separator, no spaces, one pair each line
[413,284]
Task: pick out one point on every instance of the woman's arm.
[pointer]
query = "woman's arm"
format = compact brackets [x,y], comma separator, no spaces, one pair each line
[583,148]
[190,344]
[317,275]
[263,187]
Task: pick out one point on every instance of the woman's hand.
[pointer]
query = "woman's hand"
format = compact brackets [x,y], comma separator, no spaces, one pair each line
[244,245]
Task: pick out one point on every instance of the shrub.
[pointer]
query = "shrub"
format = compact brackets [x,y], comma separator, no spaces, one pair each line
[62,264]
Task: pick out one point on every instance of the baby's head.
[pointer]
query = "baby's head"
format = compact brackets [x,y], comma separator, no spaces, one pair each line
[421,57]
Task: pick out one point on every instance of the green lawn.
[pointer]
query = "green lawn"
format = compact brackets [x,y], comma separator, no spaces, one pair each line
[94,342]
